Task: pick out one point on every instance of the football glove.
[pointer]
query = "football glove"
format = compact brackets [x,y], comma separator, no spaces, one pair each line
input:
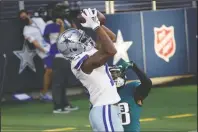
[90,15]
[127,65]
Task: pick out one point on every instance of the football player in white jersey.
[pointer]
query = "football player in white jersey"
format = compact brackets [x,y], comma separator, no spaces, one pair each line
[89,65]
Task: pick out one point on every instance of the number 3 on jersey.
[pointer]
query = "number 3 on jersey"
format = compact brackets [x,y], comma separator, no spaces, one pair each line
[124,113]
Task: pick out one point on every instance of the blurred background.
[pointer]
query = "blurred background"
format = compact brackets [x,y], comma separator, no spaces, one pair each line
[148,25]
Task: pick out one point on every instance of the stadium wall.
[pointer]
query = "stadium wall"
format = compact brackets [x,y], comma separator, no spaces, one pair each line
[163,43]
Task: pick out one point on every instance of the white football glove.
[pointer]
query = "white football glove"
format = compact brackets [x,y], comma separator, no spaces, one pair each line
[90,15]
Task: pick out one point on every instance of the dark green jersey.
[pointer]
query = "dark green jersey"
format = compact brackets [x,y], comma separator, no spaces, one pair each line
[129,109]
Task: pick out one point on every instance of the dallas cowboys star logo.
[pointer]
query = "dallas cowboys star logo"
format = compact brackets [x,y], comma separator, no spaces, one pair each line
[122,48]
[26,58]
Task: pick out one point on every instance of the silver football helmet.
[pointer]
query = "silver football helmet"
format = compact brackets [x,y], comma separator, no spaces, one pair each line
[73,42]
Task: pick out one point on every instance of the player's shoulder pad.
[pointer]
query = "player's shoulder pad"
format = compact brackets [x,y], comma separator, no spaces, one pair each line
[78,60]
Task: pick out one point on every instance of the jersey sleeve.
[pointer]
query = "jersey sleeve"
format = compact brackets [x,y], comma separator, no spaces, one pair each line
[78,61]
[47,30]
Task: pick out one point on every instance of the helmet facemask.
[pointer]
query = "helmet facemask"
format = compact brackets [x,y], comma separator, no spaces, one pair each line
[117,76]
[87,41]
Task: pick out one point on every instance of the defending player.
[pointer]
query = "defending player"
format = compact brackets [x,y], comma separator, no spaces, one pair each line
[132,95]
[89,66]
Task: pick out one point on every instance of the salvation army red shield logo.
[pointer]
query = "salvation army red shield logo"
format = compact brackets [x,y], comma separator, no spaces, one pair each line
[164,44]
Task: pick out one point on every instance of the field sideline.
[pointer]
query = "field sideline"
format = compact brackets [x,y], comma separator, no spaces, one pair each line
[166,109]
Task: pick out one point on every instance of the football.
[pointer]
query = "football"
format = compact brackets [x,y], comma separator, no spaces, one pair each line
[101,18]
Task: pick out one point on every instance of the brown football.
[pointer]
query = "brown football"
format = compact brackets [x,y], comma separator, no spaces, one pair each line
[101,18]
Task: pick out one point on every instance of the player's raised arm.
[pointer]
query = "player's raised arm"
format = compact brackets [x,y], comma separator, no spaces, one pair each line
[107,48]
[111,35]
[144,88]
[102,19]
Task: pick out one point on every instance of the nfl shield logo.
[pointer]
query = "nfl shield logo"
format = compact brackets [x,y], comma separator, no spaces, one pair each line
[164,44]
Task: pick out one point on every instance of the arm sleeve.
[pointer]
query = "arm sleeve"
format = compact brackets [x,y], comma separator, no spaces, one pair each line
[144,88]
[142,76]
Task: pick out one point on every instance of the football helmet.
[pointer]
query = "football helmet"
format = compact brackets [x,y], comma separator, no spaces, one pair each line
[118,75]
[73,42]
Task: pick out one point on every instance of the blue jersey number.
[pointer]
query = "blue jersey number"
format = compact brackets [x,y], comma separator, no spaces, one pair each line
[124,113]
[109,75]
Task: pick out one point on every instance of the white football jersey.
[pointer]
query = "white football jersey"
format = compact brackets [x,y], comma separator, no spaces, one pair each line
[99,83]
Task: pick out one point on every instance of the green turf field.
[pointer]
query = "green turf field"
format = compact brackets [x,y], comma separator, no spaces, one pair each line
[172,108]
